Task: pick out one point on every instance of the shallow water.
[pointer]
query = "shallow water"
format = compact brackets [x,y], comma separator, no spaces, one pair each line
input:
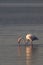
[13,54]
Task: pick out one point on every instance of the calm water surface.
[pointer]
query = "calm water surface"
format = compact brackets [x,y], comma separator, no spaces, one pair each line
[12,54]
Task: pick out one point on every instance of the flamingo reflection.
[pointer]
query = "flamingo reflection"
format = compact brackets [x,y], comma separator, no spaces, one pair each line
[19,51]
[28,50]
[29,53]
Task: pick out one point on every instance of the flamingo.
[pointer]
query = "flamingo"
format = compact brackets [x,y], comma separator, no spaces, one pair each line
[28,37]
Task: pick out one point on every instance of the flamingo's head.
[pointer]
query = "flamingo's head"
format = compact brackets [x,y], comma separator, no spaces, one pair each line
[28,36]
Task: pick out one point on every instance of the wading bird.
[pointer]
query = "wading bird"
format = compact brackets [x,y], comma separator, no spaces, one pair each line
[28,37]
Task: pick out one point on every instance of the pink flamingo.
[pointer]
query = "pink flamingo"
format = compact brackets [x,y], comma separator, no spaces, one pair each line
[28,37]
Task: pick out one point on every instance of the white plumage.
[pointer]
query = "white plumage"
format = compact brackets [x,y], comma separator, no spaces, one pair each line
[28,36]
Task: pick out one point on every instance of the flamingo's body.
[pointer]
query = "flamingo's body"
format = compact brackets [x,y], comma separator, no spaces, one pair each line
[29,37]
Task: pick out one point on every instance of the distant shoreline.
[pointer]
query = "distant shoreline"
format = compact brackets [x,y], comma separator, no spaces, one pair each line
[21,4]
[21,25]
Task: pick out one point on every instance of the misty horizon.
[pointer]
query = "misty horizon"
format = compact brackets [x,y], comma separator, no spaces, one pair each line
[21,12]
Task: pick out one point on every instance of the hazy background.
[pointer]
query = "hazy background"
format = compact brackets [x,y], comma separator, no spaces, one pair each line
[21,12]
[14,15]
[21,1]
